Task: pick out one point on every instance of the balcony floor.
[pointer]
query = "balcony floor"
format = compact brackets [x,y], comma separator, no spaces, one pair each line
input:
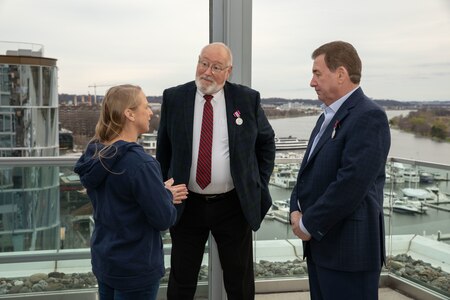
[384,294]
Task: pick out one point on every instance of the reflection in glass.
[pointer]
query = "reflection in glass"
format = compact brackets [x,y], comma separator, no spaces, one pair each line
[26,127]
[29,206]
[29,196]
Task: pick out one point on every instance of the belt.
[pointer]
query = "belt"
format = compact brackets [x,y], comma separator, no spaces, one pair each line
[210,198]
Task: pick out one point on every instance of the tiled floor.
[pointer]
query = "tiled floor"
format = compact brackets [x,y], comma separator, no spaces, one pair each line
[384,294]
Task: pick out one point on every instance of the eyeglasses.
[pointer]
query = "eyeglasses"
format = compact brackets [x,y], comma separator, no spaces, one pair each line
[203,65]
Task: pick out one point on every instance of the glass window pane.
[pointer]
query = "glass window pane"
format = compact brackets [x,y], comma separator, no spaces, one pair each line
[55,211]
[284,36]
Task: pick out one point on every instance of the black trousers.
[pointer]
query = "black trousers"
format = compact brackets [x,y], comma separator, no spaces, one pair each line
[224,219]
[327,284]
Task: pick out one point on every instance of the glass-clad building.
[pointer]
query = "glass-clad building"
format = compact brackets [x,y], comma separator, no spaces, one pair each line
[29,206]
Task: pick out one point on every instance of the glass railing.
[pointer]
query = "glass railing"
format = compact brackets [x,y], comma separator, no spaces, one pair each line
[417,223]
[46,223]
[45,227]
[19,48]
[417,218]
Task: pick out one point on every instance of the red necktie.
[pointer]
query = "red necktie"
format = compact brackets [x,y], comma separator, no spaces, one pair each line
[203,175]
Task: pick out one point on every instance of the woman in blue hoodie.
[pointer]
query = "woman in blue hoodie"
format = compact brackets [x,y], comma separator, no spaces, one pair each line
[131,202]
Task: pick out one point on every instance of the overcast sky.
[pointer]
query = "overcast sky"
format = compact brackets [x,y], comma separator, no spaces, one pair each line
[404,44]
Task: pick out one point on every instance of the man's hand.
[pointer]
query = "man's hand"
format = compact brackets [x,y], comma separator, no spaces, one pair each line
[295,225]
[179,191]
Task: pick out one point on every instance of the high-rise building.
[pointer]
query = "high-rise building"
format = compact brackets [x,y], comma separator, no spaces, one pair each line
[29,196]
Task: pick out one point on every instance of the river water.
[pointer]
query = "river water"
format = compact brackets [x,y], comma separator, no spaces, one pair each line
[403,145]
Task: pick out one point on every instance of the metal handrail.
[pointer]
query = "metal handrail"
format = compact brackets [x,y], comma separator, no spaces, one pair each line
[38,161]
[71,160]
[419,163]
[46,255]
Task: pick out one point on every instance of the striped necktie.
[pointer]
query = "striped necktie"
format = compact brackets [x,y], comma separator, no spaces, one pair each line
[203,176]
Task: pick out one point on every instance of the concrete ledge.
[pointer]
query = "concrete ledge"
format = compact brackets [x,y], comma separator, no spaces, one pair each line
[418,247]
[278,250]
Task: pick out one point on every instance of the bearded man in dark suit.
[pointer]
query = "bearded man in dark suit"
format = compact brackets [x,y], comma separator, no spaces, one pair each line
[215,138]
[337,204]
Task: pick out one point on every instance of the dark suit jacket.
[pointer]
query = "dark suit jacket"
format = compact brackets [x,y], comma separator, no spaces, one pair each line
[251,145]
[340,188]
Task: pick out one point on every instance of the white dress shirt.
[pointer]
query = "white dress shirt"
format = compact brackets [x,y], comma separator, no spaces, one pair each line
[221,181]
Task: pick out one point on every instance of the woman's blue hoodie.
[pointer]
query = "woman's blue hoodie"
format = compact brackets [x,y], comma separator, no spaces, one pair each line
[131,207]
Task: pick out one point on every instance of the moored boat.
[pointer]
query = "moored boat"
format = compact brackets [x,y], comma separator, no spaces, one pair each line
[290,143]
[284,179]
[405,205]
[419,194]
[280,210]
[426,177]
[411,175]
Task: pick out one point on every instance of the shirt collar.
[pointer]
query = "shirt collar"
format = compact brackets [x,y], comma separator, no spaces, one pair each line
[215,96]
[334,107]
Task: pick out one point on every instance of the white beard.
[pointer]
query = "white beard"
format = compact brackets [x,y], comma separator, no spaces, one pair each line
[207,89]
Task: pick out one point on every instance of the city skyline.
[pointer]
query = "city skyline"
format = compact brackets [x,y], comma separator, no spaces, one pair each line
[404,45]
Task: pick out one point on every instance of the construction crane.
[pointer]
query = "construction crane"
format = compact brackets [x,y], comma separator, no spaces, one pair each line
[95,89]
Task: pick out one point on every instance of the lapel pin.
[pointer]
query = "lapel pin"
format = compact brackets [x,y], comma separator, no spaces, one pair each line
[237,115]
[335,128]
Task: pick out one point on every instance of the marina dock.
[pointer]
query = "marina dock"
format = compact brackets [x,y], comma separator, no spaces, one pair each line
[443,236]
[436,205]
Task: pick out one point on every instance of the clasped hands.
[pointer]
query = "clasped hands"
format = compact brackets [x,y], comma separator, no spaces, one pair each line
[295,225]
[179,191]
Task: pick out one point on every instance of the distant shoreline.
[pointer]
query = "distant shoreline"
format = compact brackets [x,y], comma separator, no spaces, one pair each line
[433,123]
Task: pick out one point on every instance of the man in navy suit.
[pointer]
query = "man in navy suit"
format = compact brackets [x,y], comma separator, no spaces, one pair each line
[235,197]
[337,204]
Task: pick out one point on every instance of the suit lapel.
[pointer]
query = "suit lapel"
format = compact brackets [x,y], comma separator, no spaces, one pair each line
[340,115]
[230,109]
[311,139]
[189,104]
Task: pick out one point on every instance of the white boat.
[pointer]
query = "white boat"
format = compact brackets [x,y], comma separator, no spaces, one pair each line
[419,194]
[405,205]
[411,175]
[397,178]
[284,175]
[400,173]
[389,198]
[437,194]
[285,157]
[280,210]
[289,155]
[284,179]
[388,178]
[426,177]
[397,167]
[440,177]
[281,215]
[392,176]
[290,143]
[280,204]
